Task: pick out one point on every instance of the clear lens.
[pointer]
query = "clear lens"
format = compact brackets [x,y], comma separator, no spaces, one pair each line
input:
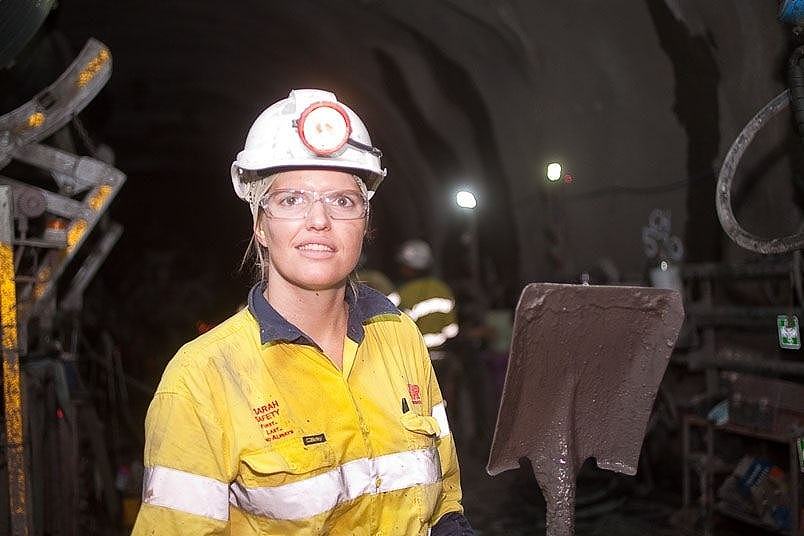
[296,204]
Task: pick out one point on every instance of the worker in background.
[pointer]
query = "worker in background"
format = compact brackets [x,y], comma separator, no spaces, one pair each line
[315,410]
[430,302]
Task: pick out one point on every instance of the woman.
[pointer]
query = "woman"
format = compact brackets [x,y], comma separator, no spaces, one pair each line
[315,409]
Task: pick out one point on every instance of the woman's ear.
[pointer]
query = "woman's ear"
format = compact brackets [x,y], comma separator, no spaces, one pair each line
[259,232]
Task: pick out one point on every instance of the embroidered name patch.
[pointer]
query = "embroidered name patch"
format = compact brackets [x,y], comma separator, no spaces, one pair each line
[313,439]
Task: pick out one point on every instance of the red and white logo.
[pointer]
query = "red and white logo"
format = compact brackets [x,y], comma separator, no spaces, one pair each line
[415,393]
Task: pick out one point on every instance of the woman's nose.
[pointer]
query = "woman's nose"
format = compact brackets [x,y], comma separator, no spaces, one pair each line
[318,217]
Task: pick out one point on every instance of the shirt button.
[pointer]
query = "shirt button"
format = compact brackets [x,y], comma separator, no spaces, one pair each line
[378,482]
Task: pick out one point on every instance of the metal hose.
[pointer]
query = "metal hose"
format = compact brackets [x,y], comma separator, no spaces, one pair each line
[724,186]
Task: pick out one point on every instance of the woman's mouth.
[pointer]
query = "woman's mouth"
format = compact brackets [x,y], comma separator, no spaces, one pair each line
[314,246]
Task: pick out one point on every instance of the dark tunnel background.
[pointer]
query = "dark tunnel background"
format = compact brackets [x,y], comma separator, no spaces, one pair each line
[639,100]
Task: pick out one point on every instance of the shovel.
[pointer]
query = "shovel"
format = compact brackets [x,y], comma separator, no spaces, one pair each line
[585,366]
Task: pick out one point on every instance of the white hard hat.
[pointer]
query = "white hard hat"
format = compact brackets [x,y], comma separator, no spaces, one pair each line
[309,129]
[415,254]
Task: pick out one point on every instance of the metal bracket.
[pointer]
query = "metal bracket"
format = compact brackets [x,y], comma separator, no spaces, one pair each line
[72,300]
[73,174]
[54,203]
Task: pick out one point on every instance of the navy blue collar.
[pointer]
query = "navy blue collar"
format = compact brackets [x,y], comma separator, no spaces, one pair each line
[367,304]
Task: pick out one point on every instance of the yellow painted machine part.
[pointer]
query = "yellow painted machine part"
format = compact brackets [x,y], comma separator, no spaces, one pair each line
[12,391]
[92,68]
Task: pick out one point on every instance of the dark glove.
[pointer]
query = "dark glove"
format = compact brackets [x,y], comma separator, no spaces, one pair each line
[452,524]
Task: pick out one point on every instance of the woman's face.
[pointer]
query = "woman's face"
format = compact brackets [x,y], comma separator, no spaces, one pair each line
[316,252]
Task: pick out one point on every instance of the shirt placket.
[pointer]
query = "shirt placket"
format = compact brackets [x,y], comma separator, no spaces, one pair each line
[365,432]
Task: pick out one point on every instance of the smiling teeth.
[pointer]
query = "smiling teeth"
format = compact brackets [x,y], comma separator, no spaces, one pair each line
[316,247]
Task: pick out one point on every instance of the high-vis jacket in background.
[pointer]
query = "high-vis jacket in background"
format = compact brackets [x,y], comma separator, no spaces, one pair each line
[431,304]
[253,430]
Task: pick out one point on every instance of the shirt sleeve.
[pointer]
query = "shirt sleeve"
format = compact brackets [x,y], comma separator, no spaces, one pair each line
[186,480]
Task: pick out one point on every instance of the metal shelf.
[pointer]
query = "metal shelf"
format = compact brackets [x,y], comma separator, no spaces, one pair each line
[692,461]
[749,519]
[756,433]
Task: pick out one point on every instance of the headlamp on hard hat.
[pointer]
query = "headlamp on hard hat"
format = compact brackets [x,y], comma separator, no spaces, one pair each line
[324,128]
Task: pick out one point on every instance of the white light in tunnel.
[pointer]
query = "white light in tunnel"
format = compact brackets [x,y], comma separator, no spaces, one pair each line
[465,199]
[553,171]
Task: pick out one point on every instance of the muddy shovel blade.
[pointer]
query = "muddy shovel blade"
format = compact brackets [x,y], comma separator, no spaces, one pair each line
[585,365]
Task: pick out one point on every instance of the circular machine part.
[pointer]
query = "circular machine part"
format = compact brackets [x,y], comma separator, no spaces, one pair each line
[30,203]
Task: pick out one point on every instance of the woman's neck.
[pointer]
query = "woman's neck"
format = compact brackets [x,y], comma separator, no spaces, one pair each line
[320,314]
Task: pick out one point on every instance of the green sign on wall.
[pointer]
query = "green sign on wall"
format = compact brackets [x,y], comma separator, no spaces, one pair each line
[789,335]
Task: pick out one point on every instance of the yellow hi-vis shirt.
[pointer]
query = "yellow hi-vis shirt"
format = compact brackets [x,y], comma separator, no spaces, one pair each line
[253,430]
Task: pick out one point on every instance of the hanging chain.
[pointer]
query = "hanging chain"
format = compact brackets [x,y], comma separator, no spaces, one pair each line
[84,135]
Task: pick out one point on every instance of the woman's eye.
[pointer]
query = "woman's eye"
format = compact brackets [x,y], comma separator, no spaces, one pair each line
[344,201]
[291,200]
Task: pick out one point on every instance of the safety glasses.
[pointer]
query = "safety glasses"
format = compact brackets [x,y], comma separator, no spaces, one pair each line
[296,204]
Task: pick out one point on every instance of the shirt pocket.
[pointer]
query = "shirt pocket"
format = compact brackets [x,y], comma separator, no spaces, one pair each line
[423,427]
[284,463]
[284,487]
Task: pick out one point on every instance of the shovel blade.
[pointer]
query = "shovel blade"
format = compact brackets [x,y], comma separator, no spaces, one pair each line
[585,365]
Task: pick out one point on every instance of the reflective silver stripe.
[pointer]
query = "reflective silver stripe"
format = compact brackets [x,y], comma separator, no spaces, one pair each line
[429,306]
[321,493]
[186,492]
[434,340]
[439,413]
[450,330]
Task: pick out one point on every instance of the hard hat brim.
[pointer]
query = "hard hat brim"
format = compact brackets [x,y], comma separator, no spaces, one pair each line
[371,179]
